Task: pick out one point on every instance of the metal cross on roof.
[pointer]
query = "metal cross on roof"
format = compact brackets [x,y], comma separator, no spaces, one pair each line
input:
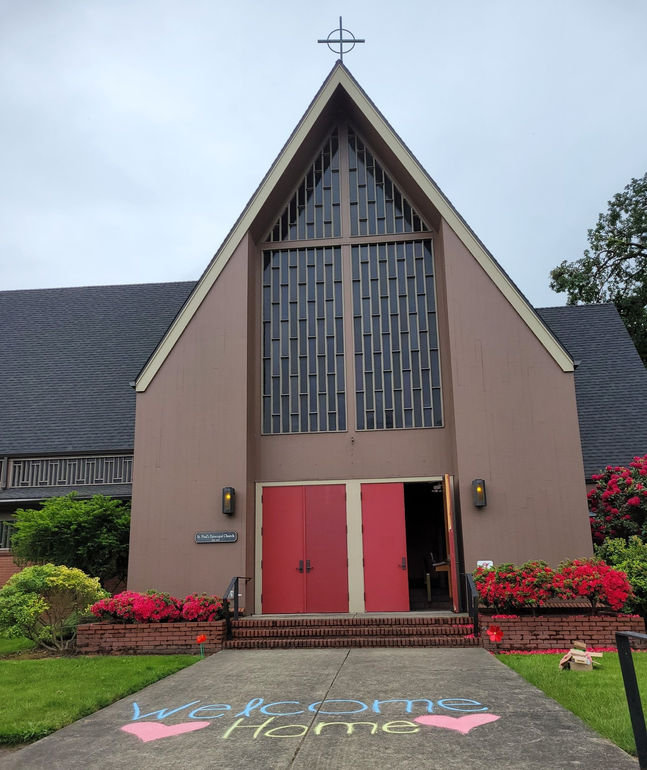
[340,41]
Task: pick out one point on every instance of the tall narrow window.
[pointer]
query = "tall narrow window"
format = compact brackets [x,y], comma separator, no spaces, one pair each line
[303,341]
[314,209]
[397,365]
[376,205]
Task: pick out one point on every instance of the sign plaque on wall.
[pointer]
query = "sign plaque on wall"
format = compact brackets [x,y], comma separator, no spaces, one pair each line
[216,537]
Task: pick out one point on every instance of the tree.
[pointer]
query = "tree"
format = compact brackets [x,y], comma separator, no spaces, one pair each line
[90,535]
[614,269]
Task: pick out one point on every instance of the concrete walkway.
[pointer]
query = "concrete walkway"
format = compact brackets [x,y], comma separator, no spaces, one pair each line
[377,709]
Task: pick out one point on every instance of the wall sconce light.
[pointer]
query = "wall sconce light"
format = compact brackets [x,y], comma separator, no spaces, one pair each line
[228,501]
[478,493]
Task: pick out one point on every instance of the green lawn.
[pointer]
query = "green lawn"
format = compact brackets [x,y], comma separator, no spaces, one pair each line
[41,696]
[597,697]
[9,646]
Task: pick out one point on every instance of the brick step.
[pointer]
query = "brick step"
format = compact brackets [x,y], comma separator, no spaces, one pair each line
[351,631]
[352,642]
[354,622]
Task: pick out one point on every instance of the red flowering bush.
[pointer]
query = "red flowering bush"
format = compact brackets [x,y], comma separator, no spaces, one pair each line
[618,504]
[507,587]
[154,607]
[133,607]
[202,608]
[595,580]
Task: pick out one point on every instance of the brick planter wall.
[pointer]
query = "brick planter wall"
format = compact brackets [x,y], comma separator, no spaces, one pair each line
[7,567]
[559,631]
[150,638]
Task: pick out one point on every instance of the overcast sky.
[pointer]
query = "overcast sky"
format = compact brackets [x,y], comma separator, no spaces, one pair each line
[133,132]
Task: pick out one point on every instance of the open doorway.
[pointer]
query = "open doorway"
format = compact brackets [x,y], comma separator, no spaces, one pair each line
[427,550]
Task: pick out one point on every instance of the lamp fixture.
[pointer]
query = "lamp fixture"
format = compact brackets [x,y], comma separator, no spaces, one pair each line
[228,501]
[478,493]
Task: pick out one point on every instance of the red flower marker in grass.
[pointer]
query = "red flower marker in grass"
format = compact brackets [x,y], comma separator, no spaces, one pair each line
[495,633]
[201,639]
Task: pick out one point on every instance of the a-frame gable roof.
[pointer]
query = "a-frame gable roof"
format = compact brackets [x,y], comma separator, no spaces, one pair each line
[340,88]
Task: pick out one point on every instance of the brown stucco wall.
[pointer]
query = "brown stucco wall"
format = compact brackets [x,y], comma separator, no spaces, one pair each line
[190,442]
[516,427]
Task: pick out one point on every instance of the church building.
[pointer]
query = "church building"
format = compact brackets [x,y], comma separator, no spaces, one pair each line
[355,405]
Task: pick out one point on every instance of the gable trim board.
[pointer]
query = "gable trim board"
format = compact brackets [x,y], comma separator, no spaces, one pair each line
[340,77]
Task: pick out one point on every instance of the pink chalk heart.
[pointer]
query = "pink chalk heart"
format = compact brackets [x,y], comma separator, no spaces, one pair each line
[152,731]
[460,724]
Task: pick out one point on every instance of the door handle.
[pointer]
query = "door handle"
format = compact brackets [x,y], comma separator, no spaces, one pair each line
[404,562]
[308,567]
[300,567]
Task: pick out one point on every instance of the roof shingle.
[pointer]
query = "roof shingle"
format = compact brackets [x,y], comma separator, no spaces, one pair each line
[610,383]
[67,357]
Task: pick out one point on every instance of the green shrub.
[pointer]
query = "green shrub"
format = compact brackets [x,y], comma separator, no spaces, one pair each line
[46,602]
[630,557]
[91,535]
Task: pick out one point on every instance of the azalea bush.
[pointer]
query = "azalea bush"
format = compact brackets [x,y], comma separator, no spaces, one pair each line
[506,587]
[155,607]
[594,580]
[618,504]
[631,558]
[46,602]
[202,608]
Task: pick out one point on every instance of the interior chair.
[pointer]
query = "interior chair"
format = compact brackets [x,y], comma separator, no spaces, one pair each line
[431,566]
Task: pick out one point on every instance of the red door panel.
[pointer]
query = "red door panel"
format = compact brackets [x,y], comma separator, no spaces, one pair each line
[283,549]
[326,551]
[386,583]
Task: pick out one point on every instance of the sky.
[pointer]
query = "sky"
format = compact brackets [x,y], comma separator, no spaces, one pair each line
[134,132]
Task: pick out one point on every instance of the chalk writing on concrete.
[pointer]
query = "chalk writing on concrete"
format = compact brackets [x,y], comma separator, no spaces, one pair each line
[336,707]
[148,727]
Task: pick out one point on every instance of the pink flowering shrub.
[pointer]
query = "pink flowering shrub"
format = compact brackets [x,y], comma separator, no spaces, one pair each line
[618,504]
[201,608]
[154,607]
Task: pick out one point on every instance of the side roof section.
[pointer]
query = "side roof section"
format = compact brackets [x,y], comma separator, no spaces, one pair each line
[610,383]
[67,357]
[340,78]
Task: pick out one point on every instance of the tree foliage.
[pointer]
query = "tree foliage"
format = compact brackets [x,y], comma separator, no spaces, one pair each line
[614,268]
[46,602]
[91,535]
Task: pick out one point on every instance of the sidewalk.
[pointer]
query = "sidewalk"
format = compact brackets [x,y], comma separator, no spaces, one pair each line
[377,709]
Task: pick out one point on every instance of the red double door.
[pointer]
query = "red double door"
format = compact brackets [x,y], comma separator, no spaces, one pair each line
[305,559]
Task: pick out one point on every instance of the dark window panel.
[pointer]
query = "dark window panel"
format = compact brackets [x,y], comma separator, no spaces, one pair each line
[303,353]
[392,333]
[316,199]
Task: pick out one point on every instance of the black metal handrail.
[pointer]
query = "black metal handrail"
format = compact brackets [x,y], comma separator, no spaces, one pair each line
[232,587]
[636,713]
[472,602]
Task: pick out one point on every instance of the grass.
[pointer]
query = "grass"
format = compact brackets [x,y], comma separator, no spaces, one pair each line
[41,696]
[11,646]
[596,697]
